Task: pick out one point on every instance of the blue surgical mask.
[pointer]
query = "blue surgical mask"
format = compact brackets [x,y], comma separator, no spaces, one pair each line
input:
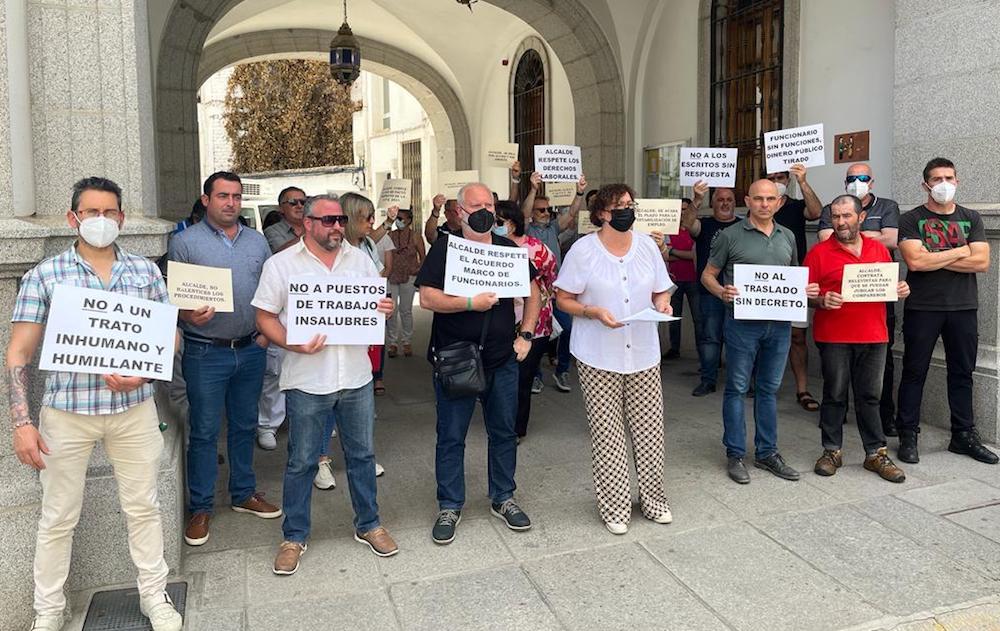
[500,231]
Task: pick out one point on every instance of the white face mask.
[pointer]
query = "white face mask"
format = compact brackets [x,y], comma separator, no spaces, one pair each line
[782,189]
[99,232]
[943,192]
[858,188]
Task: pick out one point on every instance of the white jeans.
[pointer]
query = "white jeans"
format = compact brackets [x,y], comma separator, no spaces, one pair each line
[133,443]
[271,405]
[402,297]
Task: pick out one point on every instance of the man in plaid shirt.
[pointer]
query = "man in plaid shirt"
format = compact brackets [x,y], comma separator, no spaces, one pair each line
[78,410]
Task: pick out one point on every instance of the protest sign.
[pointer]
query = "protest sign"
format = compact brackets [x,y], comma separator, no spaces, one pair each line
[450,182]
[97,332]
[342,308]
[502,155]
[649,315]
[195,286]
[661,215]
[560,193]
[715,167]
[558,163]
[395,193]
[798,145]
[583,223]
[473,268]
[770,292]
[870,282]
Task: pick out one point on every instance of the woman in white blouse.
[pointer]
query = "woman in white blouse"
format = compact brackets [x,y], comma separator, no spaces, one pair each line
[607,276]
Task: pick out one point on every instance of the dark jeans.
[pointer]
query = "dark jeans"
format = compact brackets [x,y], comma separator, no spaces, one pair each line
[221,379]
[308,417]
[713,318]
[750,343]
[453,417]
[691,289]
[887,406]
[845,367]
[960,334]
[565,320]
[526,372]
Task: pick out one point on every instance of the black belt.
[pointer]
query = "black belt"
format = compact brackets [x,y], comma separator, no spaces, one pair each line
[234,343]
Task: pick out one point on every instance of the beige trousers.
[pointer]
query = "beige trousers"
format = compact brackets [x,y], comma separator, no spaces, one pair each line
[133,443]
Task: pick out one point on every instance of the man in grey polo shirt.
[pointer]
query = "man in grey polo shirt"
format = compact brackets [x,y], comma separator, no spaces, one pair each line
[288,231]
[224,359]
[756,240]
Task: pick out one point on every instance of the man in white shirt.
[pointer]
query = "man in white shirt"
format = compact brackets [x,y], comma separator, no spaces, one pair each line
[317,379]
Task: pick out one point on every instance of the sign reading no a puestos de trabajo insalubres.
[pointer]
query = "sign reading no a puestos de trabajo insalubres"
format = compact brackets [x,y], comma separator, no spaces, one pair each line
[770,292]
[98,332]
[343,308]
[798,145]
[473,268]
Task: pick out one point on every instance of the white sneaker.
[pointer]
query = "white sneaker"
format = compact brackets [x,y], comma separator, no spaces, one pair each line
[266,439]
[161,613]
[537,385]
[324,479]
[617,529]
[379,470]
[333,434]
[665,518]
[49,622]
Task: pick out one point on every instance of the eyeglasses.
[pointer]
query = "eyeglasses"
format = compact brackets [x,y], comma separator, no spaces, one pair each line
[89,213]
[370,217]
[500,221]
[615,211]
[547,209]
[329,220]
[859,178]
[295,202]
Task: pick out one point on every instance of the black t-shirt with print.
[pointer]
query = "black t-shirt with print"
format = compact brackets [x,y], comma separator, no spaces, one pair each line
[467,326]
[710,229]
[792,215]
[942,290]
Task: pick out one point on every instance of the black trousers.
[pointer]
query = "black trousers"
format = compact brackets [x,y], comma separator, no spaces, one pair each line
[526,372]
[887,406]
[960,334]
[846,367]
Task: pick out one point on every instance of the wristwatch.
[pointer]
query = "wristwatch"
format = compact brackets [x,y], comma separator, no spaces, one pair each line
[526,335]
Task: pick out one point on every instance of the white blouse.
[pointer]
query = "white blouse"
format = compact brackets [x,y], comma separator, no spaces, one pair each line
[622,285]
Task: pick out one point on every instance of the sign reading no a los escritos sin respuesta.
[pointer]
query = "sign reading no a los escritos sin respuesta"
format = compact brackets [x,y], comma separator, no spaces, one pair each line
[472,268]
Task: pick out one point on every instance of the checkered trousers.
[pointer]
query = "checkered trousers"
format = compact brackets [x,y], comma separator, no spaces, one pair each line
[614,401]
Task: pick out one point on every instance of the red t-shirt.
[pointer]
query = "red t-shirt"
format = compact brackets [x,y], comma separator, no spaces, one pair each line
[681,270]
[854,322]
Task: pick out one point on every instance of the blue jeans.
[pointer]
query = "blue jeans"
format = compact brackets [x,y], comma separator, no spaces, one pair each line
[749,342]
[328,427]
[710,337]
[307,433]
[453,417]
[565,320]
[218,378]
[691,289]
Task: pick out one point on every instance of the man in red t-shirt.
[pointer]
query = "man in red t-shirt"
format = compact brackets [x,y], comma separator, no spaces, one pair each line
[852,340]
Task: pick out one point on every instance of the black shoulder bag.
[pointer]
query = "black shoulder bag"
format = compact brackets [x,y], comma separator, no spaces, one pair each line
[458,367]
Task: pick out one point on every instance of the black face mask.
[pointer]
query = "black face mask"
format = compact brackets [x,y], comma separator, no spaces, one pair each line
[622,220]
[482,221]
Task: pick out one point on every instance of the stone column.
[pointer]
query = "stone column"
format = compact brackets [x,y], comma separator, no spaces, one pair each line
[945,102]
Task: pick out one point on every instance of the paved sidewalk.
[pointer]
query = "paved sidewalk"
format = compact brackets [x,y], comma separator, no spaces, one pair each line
[847,552]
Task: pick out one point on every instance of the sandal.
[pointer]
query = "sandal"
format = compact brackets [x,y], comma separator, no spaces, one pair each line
[806,400]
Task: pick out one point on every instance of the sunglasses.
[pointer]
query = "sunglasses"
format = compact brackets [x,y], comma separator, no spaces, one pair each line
[295,202]
[329,220]
[859,178]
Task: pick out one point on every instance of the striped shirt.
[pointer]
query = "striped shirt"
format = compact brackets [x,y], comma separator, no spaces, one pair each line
[131,275]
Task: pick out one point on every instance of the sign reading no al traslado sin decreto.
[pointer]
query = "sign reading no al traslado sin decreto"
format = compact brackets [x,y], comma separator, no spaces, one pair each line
[473,268]
[343,308]
[770,292]
[98,332]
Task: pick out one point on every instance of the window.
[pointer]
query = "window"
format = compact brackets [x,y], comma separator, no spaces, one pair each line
[662,169]
[746,79]
[529,111]
[386,105]
[412,171]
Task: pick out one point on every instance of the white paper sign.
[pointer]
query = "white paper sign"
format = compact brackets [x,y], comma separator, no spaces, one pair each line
[560,193]
[195,286]
[770,292]
[661,215]
[99,332]
[502,155]
[583,223]
[343,308]
[558,163]
[798,145]
[649,315]
[473,268]
[395,193]
[870,282]
[714,166]
[450,182]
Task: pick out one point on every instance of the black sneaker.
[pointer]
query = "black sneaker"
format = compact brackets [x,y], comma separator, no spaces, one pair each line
[969,444]
[444,527]
[703,389]
[776,465]
[511,514]
[908,451]
[737,470]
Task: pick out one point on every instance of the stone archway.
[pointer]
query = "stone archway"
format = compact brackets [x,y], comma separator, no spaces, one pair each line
[567,26]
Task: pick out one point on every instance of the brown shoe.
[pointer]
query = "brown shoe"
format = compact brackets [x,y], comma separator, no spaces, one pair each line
[379,541]
[407,350]
[255,505]
[287,560]
[829,462]
[880,463]
[393,350]
[196,533]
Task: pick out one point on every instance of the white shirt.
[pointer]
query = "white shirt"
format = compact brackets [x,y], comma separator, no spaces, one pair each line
[336,367]
[384,245]
[622,285]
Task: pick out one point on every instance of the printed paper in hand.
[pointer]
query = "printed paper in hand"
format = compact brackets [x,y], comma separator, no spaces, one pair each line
[450,182]
[716,167]
[798,145]
[770,292]
[870,282]
[558,163]
[472,268]
[343,309]
[502,155]
[196,286]
[649,315]
[661,215]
